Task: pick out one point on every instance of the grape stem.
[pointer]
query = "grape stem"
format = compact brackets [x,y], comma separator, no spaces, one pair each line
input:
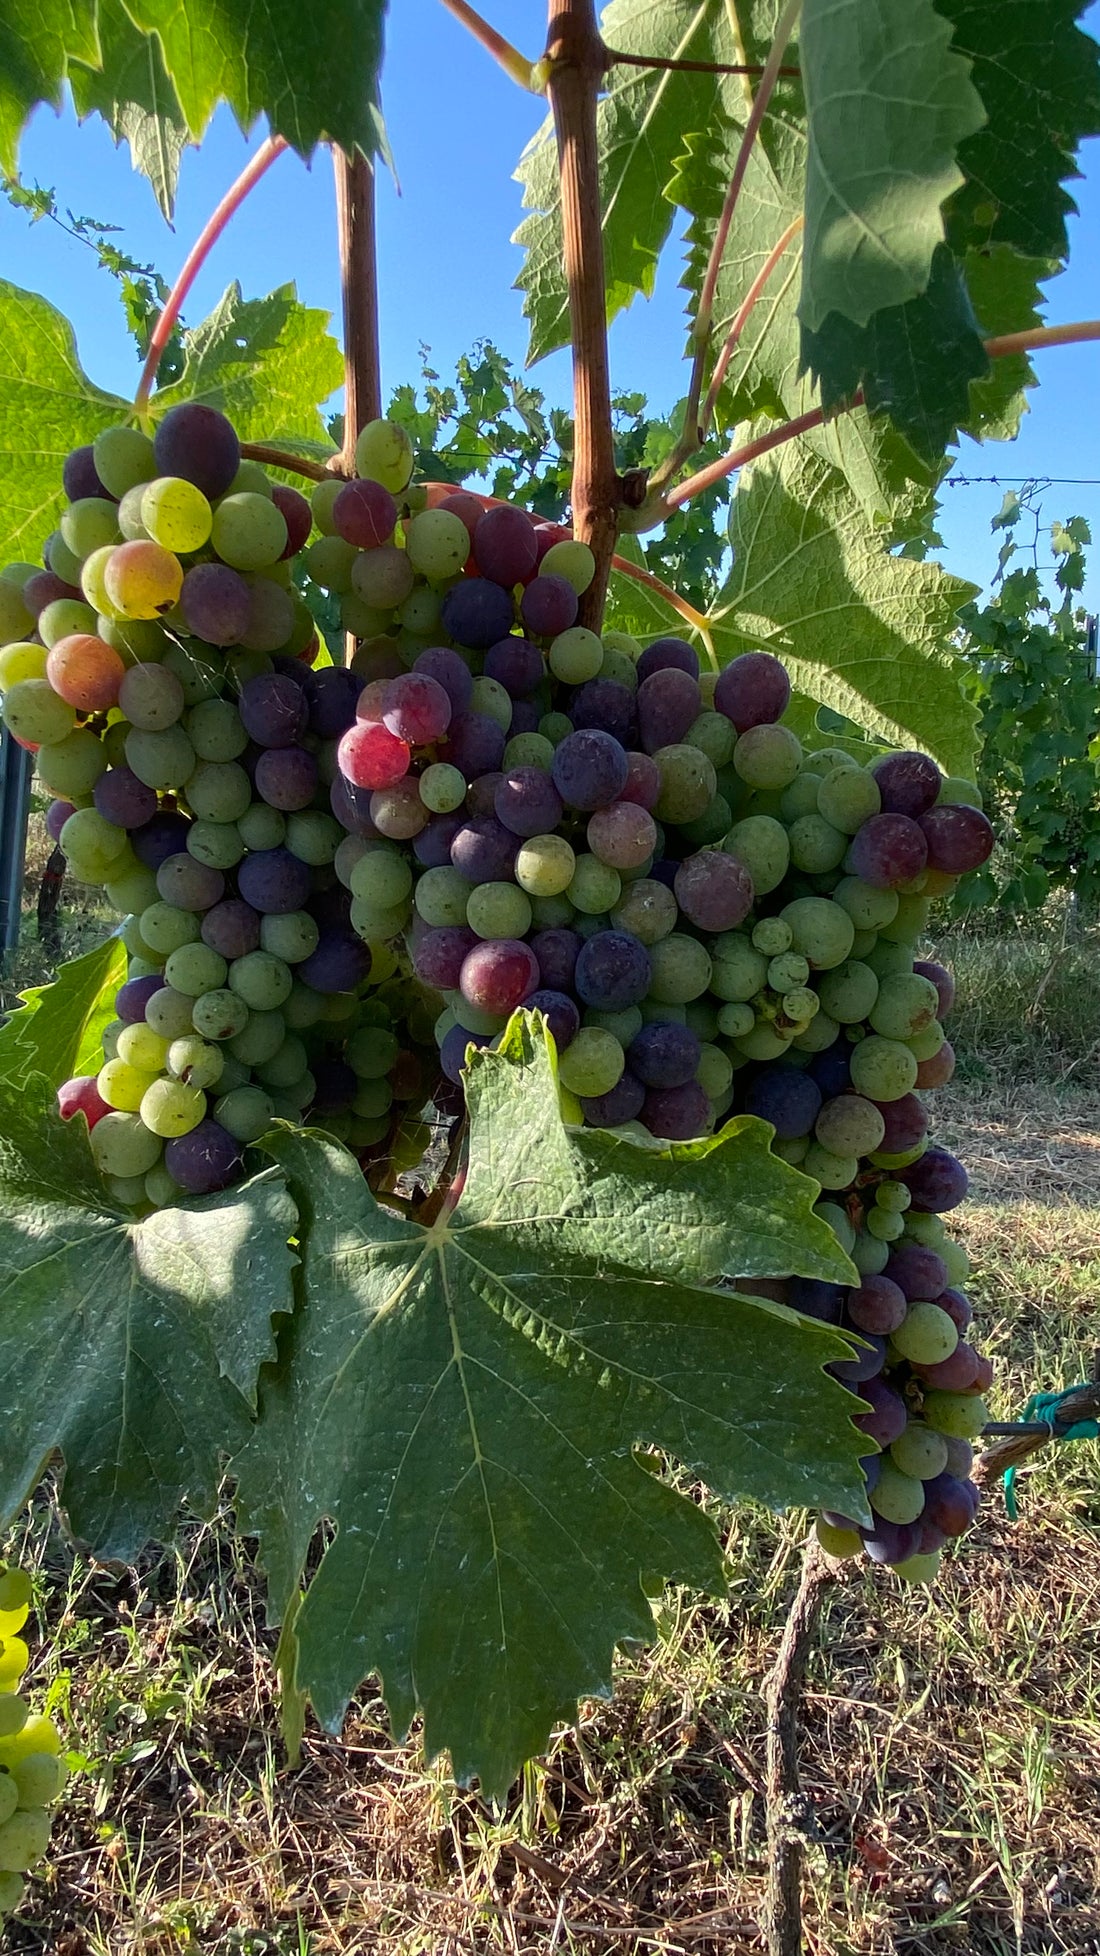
[527,74]
[196,258]
[742,318]
[617,58]
[359,282]
[281,458]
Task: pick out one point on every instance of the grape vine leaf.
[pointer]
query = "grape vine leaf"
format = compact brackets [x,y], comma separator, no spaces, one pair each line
[267,363]
[1006,295]
[1039,78]
[466,1404]
[132,1348]
[888,102]
[58,1032]
[134,94]
[37,40]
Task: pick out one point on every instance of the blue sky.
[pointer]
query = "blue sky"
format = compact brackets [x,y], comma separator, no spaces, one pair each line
[447,265]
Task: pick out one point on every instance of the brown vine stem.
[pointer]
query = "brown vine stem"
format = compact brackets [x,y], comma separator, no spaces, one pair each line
[742,318]
[575,58]
[691,434]
[359,281]
[514,64]
[786,1813]
[281,458]
[617,58]
[196,258]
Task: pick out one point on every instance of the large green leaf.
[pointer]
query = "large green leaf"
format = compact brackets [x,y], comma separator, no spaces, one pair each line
[1005,292]
[58,1032]
[37,39]
[136,99]
[888,103]
[465,1404]
[267,363]
[1039,77]
[131,1348]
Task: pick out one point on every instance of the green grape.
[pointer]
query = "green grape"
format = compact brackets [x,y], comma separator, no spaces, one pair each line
[37,1734]
[285,1067]
[885,1224]
[382,877]
[801,1005]
[956,788]
[575,655]
[551,912]
[688,784]
[140,580]
[738,971]
[957,1261]
[958,1415]
[850,1125]
[869,1255]
[375,1097]
[313,836]
[927,1336]
[129,515]
[261,827]
[883,1069]
[489,697]
[800,798]
[443,1025]
[161,1188]
[35,713]
[62,561]
[142,1048]
[592,1064]
[887,958]
[261,980]
[248,531]
[246,1113]
[20,661]
[134,639]
[818,1035]
[711,827]
[219,1014]
[321,501]
[215,730]
[714,1071]
[815,845]
[618,666]
[88,524]
[121,1144]
[594,888]
[472,1017]
[524,750]
[545,866]
[624,1026]
[217,844]
[497,910]
[438,544]
[71,767]
[832,1170]
[847,797]
[165,929]
[919,1568]
[713,734]
[554,727]
[260,1040]
[219,791]
[907,1004]
[16,620]
[443,787]
[303,1008]
[575,562]
[788,973]
[896,1496]
[64,618]
[893,1196]
[375,925]
[384,453]
[151,697]
[929,1231]
[920,1451]
[767,756]
[131,936]
[701,1014]
[735,1020]
[840,1543]
[925,1045]
[291,937]
[441,895]
[910,921]
[681,969]
[93,582]
[199,677]
[176,514]
[868,908]
[820,930]
[24,1840]
[838,1221]
[169,1013]
[91,845]
[848,992]
[195,969]
[171,1108]
[194,1061]
[241,665]
[771,936]
[123,458]
[793,1152]
[162,760]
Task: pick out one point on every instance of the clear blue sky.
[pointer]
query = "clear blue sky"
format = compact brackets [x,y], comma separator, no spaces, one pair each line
[447,265]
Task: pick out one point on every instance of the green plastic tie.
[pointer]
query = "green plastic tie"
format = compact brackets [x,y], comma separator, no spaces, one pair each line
[1042,1408]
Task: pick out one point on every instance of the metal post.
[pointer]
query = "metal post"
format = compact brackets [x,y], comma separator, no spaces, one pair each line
[15,793]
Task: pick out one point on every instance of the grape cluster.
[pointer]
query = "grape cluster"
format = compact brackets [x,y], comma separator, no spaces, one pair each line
[32,1772]
[494,806]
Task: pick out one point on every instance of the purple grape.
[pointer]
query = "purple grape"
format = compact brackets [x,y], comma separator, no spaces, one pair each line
[273,709]
[959,838]
[200,444]
[604,704]
[286,778]
[505,545]
[331,908]
[557,951]
[664,1055]
[132,998]
[339,964]
[432,847]
[830,1070]
[124,800]
[950,1504]
[937,1182]
[887,851]
[474,744]
[866,1363]
[527,802]
[290,667]
[80,478]
[713,890]
[274,882]
[906,1123]
[878,1306]
[232,928]
[335,1085]
[351,807]
[476,612]
[189,884]
[332,695]
[481,794]
[668,704]
[560,1013]
[500,975]
[589,769]
[816,1299]
[668,655]
[943,981]
[908,783]
[57,814]
[613,971]
[441,662]
[892,1542]
[161,837]
[624,1102]
[525,717]
[364,514]
[920,1273]
[960,1458]
[296,514]
[787,1097]
[956,1373]
[515,664]
[439,953]
[452,1053]
[753,691]
[216,603]
[416,708]
[484,851]
[41,590]
[958,1307]
[643,781]
[676,1113]
[886,1417]
[549,605]
[931,1538]
[205,1160]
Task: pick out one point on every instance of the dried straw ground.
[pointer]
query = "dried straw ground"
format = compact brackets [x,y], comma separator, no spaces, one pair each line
[951,1748]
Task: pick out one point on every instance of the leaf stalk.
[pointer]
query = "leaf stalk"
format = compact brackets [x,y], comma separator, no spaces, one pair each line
[359,283]
[526,74]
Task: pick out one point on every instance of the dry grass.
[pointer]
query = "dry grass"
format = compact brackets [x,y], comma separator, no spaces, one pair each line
[951,1748]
